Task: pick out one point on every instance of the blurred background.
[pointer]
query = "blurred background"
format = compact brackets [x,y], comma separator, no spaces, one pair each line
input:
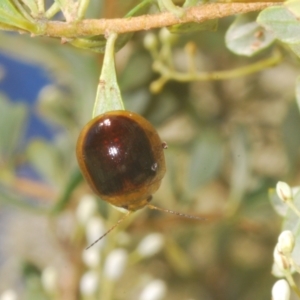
[229,142]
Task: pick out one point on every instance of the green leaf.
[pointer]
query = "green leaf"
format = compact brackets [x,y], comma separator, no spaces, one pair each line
[294,7]
[10,15]
[33,6]
[247,37]
[108,95]
[282,22]
[295,48]
[206,159]
[12,125]
[8,27]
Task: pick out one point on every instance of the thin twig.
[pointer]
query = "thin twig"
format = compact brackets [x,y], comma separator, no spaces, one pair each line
[195,14]
[169,74]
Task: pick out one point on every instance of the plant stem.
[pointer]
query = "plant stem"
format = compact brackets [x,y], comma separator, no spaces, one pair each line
[168,74]
[293,207]
[196,14]
[83,5]
[172,8]
[52,10]
[41,6]
[23,11]
[292,283]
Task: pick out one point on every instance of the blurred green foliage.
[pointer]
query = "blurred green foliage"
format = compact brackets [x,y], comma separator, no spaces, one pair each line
[229,142]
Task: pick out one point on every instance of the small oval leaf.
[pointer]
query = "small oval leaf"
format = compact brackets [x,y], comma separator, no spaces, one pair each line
[246,37]
[282,22]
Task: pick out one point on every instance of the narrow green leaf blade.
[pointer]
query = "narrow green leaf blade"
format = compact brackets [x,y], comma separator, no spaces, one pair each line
[10,15]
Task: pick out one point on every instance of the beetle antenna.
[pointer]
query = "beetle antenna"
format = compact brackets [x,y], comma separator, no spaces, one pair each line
[174,212]
[109,230]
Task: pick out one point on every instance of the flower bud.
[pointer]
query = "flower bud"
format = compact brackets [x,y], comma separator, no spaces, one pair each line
[115,264]
[150,245]
[281,260]
[155,290]
[150,41]
[86,208]
[94,229]
[281,290]
[166,36]
[91,258]
[286,242]
[89,283]
[284,191]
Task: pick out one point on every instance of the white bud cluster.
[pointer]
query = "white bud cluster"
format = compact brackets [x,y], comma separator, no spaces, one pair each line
[283,250]
[286,194]
[286,242]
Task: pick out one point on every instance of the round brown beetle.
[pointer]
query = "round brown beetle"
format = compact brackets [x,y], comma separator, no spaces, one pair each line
[121,157]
